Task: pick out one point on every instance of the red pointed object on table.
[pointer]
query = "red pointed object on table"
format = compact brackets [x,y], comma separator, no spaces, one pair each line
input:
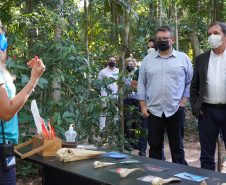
[45,132]
[53,133]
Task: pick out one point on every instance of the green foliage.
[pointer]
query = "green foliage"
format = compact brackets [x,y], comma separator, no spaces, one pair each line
[25,168]
[78,104]
[33,34]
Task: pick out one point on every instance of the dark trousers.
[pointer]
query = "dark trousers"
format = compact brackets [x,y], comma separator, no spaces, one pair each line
[209,124]
[131,118]
[142,144]
[6,177]
[138,121]
[174,126]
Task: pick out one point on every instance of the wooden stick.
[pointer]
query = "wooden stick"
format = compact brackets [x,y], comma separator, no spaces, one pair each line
[18,153]
[23,144]
[37,150]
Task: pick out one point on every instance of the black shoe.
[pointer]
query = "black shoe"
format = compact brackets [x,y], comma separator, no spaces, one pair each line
[143,154]
[135,146]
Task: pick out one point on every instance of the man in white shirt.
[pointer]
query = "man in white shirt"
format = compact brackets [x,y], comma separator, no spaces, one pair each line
[109,72]
[208,93]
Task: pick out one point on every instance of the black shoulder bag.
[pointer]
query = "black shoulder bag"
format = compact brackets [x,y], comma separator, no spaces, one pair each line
[9,160]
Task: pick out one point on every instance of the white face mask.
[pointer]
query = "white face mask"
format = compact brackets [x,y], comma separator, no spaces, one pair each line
[215,41]
[151,50]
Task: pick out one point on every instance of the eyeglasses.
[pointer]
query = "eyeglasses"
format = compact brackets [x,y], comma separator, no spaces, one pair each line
[164,38]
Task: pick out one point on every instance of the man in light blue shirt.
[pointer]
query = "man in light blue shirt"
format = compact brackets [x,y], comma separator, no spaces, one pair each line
[164,79]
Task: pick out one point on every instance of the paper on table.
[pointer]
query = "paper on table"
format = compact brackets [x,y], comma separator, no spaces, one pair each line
[116,155]
[147,178]
[127,161]
[152,167]
[189,176]
[36,115]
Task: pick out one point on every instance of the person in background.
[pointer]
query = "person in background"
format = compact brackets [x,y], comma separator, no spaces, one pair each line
[208,93]
[142,144]
[109,72]
[10,105]
[164,82]
[130,100]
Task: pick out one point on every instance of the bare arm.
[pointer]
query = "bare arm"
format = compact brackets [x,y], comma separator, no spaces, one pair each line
[9,107]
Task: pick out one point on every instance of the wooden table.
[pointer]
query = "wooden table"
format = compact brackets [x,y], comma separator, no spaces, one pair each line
[82,172]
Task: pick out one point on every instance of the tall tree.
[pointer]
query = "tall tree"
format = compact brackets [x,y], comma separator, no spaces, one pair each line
[30,5]
[56,84]
[160,12]
[124,46]
[86,39]
[176,28]
[213,11]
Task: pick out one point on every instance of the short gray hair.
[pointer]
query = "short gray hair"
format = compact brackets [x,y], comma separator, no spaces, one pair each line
[221,24]
[166,28]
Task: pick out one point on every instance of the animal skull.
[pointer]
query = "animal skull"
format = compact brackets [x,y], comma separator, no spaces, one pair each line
[98,164]
[203,183]
[160,181]
[70,154]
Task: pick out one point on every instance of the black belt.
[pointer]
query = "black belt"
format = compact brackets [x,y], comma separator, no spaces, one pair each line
[218,106]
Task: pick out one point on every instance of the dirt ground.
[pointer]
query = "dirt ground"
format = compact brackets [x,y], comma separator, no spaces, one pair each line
[192,153]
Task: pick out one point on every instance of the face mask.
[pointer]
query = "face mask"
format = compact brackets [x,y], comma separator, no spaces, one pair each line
[111,64]
[215,41]
[163,45]
[129,68]
[3,42]
[151,50]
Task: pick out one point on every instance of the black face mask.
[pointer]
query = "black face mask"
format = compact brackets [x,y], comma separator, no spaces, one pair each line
[129,68]
[111,64]
[163,45]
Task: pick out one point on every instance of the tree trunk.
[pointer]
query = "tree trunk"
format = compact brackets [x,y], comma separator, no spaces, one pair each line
[219,13]
[33,31]
[114,28]
[124,46]
[86,32]
[194,43]
[113,21]
[213,11]
[160,12]
[58,33]
[152,11]
[176,28]
[90,12]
